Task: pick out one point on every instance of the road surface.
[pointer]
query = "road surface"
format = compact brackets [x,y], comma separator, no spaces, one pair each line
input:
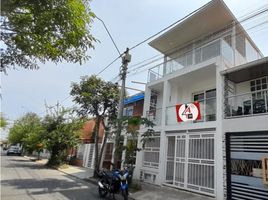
[22,179]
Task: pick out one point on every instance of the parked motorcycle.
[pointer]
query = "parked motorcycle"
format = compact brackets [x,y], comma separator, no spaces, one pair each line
[112,182]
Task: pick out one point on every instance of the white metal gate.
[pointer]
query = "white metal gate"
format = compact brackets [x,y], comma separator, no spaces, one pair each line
[190,162]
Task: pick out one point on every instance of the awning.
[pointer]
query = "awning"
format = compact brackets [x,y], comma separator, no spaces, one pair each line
[213,17]
[248,71]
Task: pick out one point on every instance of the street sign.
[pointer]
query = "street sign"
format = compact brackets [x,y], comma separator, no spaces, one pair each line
[188,112]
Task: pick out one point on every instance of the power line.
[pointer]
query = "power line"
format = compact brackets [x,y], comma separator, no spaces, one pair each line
[109,34]
[168,50]
[173,24]
[108,65]
[132,72]
[250,15]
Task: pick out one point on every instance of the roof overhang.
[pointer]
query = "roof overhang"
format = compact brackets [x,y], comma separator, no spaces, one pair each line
[211,18]
[249,71]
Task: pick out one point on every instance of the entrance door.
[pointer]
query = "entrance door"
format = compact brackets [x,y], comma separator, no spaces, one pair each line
[190,162]
[245,153]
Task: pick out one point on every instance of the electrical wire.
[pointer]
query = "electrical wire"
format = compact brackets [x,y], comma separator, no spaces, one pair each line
[245,18]
[171,25]
[109,34]
[146,64]
[108,65]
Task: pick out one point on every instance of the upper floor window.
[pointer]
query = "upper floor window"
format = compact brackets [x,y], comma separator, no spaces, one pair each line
[207,101]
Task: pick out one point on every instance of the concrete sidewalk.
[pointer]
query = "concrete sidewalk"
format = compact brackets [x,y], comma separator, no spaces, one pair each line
[148,192]
[152,192]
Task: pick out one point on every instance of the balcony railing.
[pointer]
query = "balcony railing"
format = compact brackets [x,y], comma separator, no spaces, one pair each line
[193,57]
[247,104]
[155,116]
[207,110]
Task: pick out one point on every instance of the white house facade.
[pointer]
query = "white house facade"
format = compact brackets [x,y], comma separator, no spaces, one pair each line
[199,55]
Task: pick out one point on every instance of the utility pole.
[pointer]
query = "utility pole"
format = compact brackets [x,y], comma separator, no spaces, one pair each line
[126,58]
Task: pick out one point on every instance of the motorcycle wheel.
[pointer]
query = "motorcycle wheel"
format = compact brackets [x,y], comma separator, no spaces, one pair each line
[102,192]
[124,194]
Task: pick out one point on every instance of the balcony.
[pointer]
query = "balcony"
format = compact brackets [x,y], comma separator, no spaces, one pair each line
[207,109]
[247,104]
[155,116]
[195,56]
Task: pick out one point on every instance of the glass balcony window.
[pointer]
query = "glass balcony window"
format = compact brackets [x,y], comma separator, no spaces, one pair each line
[247,104]
[192,57]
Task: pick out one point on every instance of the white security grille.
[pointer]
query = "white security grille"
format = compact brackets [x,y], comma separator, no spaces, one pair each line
[191,157]
[151,153]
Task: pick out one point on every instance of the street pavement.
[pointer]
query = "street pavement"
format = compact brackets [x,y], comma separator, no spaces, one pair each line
[26,180]
[23,179]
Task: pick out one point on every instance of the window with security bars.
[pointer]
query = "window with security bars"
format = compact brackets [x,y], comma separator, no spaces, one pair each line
[151,153]
[258,88]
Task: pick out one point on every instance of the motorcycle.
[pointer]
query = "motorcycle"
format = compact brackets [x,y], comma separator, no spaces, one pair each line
[112,182]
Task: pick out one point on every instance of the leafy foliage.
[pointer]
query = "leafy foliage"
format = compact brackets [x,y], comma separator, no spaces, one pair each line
[45,30]
[61,133]
[131,126]
[95,97]
[3,121]
[99,99]
[28,132]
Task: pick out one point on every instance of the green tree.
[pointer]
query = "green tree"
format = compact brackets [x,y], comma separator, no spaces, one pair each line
[131,127]
[44,30]
[62,131]
[3,121]
[27,131]
[99,99]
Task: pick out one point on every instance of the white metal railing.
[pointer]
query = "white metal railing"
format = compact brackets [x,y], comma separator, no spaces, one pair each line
[195,56]
[250,103]
[207,110]
[155,116]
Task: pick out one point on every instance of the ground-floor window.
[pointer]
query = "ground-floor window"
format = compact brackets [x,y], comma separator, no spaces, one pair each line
[151,153]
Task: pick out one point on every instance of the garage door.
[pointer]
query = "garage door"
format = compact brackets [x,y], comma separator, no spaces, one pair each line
[245,154]
[190,162]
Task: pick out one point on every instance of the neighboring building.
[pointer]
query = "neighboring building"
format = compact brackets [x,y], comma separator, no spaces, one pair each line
[133,106]
[187,97]
[86,150]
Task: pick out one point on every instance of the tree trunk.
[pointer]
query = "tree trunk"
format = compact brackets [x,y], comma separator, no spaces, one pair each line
[96,132]
[103,144]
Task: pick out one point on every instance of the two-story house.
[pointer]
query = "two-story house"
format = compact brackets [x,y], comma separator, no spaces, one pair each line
[190,101]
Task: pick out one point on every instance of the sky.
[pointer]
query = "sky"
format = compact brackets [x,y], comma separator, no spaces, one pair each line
[129,22]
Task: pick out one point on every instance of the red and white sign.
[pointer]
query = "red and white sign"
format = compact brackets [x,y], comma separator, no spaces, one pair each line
[188,112]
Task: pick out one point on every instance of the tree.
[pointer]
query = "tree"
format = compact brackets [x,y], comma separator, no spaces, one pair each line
[28,132]
[99,99]
[131,126]
[3,121]
[44,30]
[61,134]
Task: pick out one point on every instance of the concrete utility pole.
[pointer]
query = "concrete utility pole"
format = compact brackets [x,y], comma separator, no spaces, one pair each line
[126,58]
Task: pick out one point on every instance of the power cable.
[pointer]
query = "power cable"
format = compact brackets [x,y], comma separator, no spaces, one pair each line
[132,72]
[168,50]
[108,65]
[250,15]
[173,24]
[109,34]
